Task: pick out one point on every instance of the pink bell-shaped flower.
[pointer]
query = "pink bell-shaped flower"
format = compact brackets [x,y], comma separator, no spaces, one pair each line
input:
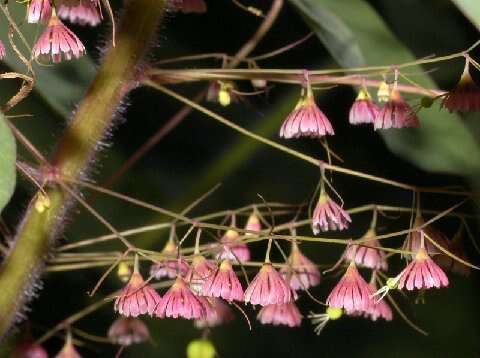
[180,301]
[223,283]
[351,293]
[283,314]
[267,288]
[301,273]
[58,42]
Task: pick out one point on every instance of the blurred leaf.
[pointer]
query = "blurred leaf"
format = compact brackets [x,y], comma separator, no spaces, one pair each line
[443,142]
[471,10]
[232,158]
[8,156]
[62,85]
[332,31]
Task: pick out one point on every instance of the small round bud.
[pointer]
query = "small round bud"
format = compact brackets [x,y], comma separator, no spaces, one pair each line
[383,93]
[200,348]
[224,97]
[392,283]
[259,83]
[334,313]
[426,102]
[124,271]
[42,203]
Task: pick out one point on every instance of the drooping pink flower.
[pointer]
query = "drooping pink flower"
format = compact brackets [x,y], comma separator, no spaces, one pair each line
[58,42]
[136,298]
[363,110]
[39,11]
[68,350]
[328,215]
[223,283]
[367,254]
[301,273]
[233,248]
[253,223]
[3,52]
[86,12]
[199,272]
[194,6]
[421,273]
[170,266]
[268,288]
[180,301]
[466,96]
[126,331]
[396,113]
[352,292]
[283,314]
[219,314]
[28,349]
[413,240]
[306,120]
[378,309]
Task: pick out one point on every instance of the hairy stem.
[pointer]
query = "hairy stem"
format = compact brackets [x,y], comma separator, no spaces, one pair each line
[115,78]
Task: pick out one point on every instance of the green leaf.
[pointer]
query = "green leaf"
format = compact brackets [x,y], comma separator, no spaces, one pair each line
[471,10]
[8,156]
[443,143]
[332,31]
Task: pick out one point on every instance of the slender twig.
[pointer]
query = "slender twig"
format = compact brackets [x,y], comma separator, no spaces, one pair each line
[293,152]
[178,117]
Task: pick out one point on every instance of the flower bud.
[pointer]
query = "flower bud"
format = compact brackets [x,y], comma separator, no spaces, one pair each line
[200,348]
[334,313]
[124,271]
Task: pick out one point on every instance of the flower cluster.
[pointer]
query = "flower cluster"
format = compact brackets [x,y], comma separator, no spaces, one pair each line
[57,41]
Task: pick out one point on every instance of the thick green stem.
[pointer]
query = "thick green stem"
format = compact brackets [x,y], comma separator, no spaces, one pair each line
[75,151]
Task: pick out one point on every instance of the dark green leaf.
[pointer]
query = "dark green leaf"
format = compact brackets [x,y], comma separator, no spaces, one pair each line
[8,153]
[471,10]
[332,31]
[443,143]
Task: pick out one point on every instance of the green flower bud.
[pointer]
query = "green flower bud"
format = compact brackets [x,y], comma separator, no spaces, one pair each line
[392,283]
[426,102]
[200,348]
[334,313]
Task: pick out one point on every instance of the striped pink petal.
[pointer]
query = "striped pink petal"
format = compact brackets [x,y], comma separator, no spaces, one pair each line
[59,42]
[328,215]
[301,273]
[306,120]
[180,301]
[283,314]
[422,273]
[223,283]
[396,113]
[267,288]
[136,298]
[351,293]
